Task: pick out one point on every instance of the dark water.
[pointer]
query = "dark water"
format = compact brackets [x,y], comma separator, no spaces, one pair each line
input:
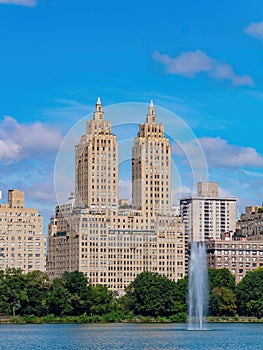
[131,337]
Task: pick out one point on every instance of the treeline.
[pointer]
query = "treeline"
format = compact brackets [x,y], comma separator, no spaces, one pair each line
[150,295]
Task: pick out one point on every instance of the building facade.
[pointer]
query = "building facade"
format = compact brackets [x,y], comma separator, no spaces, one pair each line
[151,168]
[114,250]
[111,245]
[250,224]
[22,240]
[239,257]
[96,166]
[206,215]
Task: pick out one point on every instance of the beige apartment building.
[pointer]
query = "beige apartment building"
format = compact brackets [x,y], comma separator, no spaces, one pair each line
[22,240]
[114,250]
[111,245]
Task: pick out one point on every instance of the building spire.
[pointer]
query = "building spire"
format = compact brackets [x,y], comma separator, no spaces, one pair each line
[98,105]
[151,116]
[151,108]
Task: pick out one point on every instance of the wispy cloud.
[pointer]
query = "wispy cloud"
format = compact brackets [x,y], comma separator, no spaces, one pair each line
[255,30]
[180,192]
[22,141]
[219,153]
[27,3]
[190,63]
[67,112]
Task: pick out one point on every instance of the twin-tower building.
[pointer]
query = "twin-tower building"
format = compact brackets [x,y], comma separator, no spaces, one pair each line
[112,242]
[96,167]
[109,243]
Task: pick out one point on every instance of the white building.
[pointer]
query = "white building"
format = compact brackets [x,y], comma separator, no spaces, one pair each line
[207,216]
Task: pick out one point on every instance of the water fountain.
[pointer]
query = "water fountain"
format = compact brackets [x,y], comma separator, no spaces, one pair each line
[197,287]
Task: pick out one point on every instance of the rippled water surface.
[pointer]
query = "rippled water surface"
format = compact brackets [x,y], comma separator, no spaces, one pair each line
[131,337]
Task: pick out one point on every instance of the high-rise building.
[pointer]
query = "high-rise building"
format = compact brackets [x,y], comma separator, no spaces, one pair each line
[112,245]
[207,215]
[22,240]
[96,165]
[151,168]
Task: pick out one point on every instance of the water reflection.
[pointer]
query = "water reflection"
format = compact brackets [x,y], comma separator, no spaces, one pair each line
[130,337]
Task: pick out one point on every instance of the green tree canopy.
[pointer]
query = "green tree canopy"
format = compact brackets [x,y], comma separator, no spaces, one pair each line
[36,289]
[103,300]
[12,291]
[250,294]
[221,278]
[222,302]
[80,290]
[59,300]
[222,299]
[150,294]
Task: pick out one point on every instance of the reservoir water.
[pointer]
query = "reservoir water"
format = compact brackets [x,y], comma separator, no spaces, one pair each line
[219,336]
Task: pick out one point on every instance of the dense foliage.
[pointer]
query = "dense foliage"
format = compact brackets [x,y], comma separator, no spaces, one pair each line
[149,295]
[222,301]
[154,295]
[250,294]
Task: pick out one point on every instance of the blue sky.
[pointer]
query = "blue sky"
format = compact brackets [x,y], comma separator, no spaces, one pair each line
[200,60]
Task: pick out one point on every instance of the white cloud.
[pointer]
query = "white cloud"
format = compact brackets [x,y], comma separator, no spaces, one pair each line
[180,192]
[190,63]
[255,30]
[27,3]
[22,141]
[219,153]
[187,63]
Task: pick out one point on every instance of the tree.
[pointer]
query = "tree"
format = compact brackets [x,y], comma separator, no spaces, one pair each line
[81,292]
[180,291]
[103,300]
[36,287]
[150,294]
[222,299]
[12,291]
[250,294]
[222,302]
[221,278]
[59,300]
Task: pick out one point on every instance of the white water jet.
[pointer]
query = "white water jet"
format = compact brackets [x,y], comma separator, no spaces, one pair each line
[197,287]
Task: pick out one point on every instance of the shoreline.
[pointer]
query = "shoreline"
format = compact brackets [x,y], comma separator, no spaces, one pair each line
[135,319]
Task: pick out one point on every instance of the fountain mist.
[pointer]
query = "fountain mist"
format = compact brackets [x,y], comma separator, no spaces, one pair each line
[197,287]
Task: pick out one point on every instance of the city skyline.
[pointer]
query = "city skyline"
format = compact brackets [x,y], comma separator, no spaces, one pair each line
[54,66]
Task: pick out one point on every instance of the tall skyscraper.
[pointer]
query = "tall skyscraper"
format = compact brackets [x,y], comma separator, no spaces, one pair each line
[22,240]
[96,165]
[151,168]
[112,245]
